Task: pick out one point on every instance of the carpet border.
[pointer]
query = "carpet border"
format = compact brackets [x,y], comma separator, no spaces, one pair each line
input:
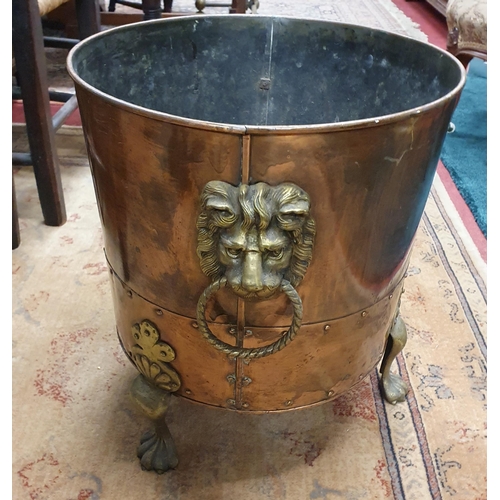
[460,231]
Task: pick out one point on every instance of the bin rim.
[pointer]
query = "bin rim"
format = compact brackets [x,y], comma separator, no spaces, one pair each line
[240,129]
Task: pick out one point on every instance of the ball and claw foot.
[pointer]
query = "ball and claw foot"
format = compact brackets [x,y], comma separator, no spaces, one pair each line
[157,449]
[157,452]
[394,389]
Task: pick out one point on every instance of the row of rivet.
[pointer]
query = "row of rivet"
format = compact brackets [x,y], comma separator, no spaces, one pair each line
[158,311]
[231,378]
[327,327]
[232,331]
[232,402]
[247,380]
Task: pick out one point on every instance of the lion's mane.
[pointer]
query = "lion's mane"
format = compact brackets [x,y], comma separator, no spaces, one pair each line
[223,205]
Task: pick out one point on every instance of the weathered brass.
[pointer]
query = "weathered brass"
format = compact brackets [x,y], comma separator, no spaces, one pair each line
[257,239]
[394,388]
[157,449]
[255,236]
[151,391]
[152,356]
[257,352]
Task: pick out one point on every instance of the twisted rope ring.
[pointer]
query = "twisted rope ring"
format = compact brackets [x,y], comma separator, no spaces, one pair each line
[255,352]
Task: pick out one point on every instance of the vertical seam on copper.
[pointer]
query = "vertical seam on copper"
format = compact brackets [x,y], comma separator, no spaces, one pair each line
[245,160]
[240,336]
[240,315]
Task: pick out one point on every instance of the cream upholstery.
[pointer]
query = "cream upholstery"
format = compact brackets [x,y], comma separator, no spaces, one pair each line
[47,6]
[467,22]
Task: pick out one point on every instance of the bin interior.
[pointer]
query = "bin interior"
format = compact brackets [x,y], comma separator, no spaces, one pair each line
[254,70]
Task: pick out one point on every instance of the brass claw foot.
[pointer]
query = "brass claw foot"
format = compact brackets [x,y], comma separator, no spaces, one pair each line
[157,449]
[394,389]
[157,452]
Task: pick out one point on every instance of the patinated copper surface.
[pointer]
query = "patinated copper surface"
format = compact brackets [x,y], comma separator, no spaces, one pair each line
[362,146]
[324,360]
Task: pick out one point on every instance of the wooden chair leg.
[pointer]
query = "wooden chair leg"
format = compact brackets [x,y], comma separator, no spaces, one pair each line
[465,59]
[151,9]
[88,17]
[16,235]
[238,7]
[29,54]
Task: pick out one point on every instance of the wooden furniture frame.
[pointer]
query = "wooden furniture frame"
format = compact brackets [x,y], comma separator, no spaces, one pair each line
[467,30]
[31,71]
[152,9]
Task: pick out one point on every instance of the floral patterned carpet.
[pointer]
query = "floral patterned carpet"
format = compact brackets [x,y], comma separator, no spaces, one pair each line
[76,431]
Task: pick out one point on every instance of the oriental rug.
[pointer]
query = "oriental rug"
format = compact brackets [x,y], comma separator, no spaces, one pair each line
[76,431]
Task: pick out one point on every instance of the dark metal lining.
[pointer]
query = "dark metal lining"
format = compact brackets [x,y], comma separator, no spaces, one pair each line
[259,71]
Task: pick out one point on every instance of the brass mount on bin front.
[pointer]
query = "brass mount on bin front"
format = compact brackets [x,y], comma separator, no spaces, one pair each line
[257,240]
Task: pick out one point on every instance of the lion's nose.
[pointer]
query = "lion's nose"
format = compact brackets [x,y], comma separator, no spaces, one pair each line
[251,279]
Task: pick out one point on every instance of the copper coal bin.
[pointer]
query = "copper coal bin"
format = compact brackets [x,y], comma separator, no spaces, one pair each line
[260,181]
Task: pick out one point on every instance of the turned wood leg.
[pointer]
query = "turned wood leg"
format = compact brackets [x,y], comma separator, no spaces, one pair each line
[157,449]
[465,59]
[151,9]
[238,7]
[89,17]
[394,389]
[27,44]
[16,235]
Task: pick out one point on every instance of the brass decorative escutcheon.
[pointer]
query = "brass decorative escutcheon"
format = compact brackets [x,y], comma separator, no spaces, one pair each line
[152,356]
[257,240]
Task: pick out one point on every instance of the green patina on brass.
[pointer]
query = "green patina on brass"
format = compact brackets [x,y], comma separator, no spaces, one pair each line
[257,240]
[152,356]
[151,392]
[157,449]
[255,235]
[394,389]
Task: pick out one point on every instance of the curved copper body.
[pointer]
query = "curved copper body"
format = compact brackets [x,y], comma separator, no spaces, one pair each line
[368,181]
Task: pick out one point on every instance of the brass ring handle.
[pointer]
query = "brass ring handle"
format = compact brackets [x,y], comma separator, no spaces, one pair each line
[255,352]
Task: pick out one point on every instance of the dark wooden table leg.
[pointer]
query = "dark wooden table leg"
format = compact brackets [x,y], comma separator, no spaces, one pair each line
[151,9]
[167,5]
[238,7]
[27,43]
[88,16]
[16,235]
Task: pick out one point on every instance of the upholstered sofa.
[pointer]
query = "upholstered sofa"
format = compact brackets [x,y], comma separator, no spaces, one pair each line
[467,34]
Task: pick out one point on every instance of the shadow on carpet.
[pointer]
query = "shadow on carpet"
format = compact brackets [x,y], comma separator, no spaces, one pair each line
[464,150]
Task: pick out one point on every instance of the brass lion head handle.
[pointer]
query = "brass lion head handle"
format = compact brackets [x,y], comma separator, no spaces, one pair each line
[256,239]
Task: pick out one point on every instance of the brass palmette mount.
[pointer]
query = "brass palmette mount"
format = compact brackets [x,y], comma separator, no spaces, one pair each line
[257,240]
[152,357]
[151,392]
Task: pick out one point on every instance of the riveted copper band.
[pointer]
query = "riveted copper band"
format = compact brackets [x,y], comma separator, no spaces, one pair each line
[326,359]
